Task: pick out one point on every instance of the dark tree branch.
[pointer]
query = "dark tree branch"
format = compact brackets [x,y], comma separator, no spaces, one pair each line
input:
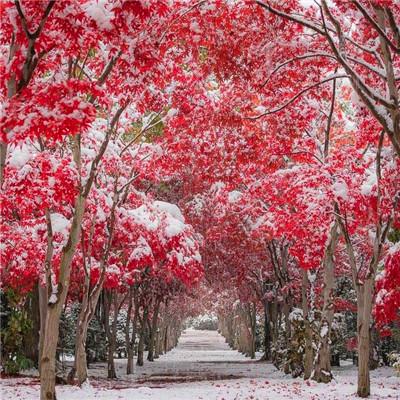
[376,26]
[280,108]
[329,122]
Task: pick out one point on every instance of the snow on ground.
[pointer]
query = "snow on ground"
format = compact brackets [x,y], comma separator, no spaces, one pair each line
[203,367]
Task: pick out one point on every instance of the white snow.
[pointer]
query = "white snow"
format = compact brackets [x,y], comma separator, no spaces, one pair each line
[98,12]
[203,367]
[174,227]
[369,183]
[324,331]
[234,196]
[20,155]
[170,208]
[59,223]
[296,315]
[53,298]
[142,216]
[340,189]
[141,250]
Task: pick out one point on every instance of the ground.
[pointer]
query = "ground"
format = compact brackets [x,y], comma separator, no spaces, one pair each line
[203,367]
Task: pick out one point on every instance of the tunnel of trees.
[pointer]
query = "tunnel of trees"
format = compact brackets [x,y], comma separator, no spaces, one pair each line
[162,160]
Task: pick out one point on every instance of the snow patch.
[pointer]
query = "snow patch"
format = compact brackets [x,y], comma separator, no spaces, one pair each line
[98,12]
[171,209]
[20,155]
[59,223]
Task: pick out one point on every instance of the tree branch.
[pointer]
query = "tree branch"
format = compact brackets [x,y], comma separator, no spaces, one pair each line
[280,108]
[376,26]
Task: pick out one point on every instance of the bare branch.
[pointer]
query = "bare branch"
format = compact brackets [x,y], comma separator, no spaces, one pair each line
[329,122]
[280,108]
[301,21]
[103,147]
[393,25]
[304,56]
[376,26]
[23,19]
[108,68]
[35,35]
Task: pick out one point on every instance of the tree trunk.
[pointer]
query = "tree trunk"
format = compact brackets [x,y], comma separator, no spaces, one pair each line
[373,351]
[42,311]
[80,362]
[54,308]
[365,294]
[156,344]
[267,333]
[140,355]
[165,339]
[253,326]
[48,360]
[129,361]
[112,338]
[322,366]
[153,331]
[130,341]
[80,356]
[111,374]
[308,351]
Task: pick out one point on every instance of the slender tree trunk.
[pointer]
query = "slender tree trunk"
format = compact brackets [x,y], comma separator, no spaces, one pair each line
[160,338]
[153,331]
[166,339]
[80,362]
[322,367]
[54,308]
[365,293]
[130,341]
[111,373]
[80,355]
[253,325]
[48,361]
[43,311]
[140,352]
[112,338]
[129,360]
[157,343]
[140,355]
[288,335]
[308,351]
[267,332]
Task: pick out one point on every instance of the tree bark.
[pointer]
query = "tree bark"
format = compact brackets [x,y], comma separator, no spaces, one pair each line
[253,326]
[80,354]
[267,332]
[43,312]
[112,335]
[153,331]
[54,308]
[130,341]
[140,354]
[365,295]
[308,351]
[322,366]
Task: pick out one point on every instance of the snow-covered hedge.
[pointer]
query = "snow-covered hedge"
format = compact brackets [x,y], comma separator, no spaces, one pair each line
[203,322]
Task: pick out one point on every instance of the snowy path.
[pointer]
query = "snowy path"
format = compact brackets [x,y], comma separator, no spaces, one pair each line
[202,367]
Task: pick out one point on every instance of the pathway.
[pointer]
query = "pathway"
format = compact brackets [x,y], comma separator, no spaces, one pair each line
[203,367]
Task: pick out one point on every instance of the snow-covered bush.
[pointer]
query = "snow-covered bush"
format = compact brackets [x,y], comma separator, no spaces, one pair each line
[394,358]
[204,322]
